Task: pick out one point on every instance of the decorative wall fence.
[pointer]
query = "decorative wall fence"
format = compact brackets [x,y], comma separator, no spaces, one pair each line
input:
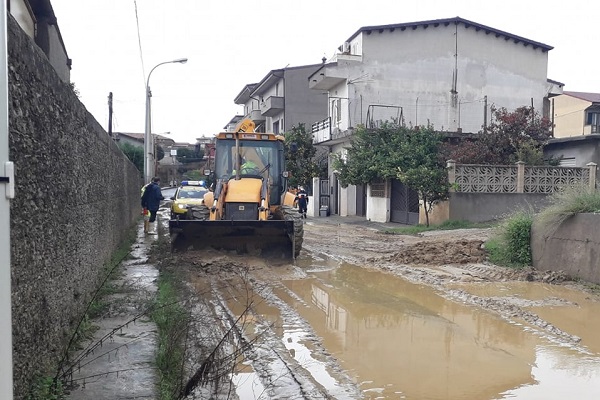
[482,193]
[518,178]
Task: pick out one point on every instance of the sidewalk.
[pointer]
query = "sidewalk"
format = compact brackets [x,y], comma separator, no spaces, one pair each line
[123,365]
[354,220]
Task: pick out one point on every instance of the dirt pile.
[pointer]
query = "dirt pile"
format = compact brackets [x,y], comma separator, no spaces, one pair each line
[440,253]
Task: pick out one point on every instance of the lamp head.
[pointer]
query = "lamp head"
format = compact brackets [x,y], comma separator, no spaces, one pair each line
[181,60]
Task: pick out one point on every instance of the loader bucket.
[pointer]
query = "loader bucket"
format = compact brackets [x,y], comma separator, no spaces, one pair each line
[267,238]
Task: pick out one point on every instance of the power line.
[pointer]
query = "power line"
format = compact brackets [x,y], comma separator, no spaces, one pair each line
[140,42]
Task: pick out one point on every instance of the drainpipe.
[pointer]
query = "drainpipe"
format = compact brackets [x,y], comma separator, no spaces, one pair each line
[7,184]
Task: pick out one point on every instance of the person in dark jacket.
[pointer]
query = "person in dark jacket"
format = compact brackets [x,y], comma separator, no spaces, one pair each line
[151,201]
[302,201]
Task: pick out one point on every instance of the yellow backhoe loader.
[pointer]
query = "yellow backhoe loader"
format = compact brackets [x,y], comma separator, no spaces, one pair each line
[250,208]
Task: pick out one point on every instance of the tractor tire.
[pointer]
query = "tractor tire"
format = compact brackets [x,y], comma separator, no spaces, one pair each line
[200,213]
[292,214]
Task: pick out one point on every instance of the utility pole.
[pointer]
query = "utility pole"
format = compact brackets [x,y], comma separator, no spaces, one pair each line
[485,114]
[7,192]
[110,112]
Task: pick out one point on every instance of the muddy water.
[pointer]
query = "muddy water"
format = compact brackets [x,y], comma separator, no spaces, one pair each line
[401,340]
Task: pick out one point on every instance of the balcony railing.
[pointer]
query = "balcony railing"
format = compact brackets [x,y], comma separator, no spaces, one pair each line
[321,131]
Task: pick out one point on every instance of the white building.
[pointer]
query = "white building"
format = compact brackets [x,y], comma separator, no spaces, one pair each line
[447,73]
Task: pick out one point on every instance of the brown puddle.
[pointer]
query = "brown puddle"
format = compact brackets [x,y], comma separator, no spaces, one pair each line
[401,340]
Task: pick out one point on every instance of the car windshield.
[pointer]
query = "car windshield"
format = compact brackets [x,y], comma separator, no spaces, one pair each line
[191,193]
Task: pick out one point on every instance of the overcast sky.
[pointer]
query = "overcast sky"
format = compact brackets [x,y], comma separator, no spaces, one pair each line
[230,43]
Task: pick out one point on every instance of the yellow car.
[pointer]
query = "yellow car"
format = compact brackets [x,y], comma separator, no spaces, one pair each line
[190,193]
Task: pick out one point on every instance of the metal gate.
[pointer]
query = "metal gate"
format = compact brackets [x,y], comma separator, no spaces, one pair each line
[324,193]
[404,204]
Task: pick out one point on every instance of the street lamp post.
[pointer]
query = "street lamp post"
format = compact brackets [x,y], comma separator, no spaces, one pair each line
[148,142]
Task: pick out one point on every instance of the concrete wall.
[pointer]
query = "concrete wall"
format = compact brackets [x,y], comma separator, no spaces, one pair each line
[439,213]
[483,207]
[378,208]
[573,247]
[302,105]
[421,75]
[76,196]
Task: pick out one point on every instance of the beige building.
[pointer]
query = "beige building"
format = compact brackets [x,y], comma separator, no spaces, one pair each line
[576,114]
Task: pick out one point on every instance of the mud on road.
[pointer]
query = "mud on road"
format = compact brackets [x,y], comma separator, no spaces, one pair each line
[262,329]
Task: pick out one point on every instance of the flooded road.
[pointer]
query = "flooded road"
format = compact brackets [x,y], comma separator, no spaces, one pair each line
[401,340]
[329,327]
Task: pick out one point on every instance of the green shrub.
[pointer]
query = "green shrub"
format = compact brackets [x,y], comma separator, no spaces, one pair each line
[518,238]
[511,246]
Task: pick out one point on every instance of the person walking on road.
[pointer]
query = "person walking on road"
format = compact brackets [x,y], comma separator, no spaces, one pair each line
[151,201]
[302,201]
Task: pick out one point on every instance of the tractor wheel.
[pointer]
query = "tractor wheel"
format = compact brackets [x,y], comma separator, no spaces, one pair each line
[199,213]
[292,214]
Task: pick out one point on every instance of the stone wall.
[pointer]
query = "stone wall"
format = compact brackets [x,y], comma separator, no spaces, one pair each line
[76,197]
[572,247]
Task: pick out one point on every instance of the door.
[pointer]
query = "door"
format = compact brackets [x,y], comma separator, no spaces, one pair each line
[361,200]
[404,204]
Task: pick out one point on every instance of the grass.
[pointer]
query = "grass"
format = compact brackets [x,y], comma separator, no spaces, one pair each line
[46,388]
[567,203]
[447,225]
[172,322]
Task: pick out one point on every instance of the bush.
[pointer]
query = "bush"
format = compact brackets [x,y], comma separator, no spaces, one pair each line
[511,246]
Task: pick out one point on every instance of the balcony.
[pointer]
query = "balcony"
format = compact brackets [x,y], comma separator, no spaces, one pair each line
[256,116]
[326,78]
[273,105]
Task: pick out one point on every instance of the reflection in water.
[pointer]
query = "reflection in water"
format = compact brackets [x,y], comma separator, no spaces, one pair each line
[248,386]
[403,340]
[563,307]
[560,374]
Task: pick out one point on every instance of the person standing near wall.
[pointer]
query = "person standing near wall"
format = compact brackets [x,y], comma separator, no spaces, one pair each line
[151,201]
[145,212]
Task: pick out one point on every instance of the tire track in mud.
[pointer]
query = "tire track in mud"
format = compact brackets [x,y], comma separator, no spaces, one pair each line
[436,258]
[298,332]
[268,360]
[282,373]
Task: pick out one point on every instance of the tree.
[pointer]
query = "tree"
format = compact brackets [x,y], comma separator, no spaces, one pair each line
[185,155]
[514,136]
[409,154]
[135,154]
[300,156]
[372,155]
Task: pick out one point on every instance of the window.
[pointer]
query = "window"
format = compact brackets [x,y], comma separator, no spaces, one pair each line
[336,110]
[276,127]
[378,188]
[593,119]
